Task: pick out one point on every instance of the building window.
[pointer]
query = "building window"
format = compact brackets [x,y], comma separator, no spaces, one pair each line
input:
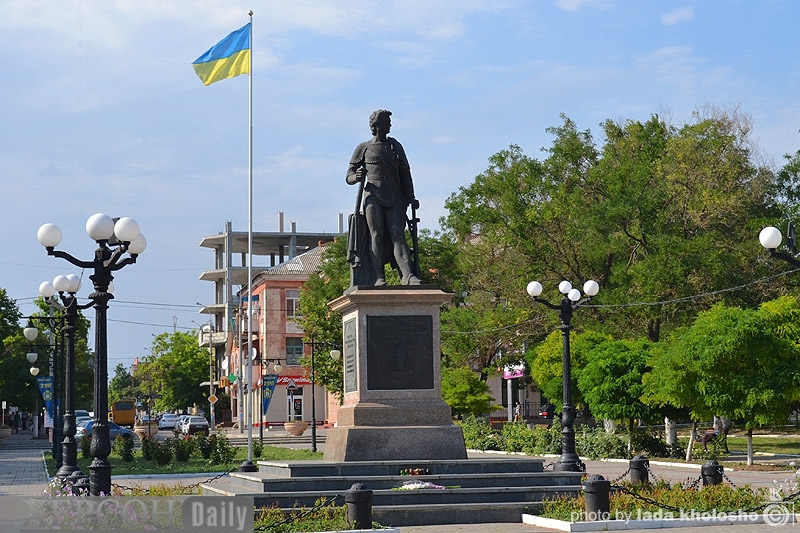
[292,303]
[294,350]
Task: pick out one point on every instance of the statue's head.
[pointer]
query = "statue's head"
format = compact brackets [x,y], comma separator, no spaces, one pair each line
[377,116]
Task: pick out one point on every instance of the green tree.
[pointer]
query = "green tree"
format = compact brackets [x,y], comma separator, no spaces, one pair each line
[742,365]
[487,235]
[465,392]
[545,361]
[657,213]
[121,385]
[319,322]
[611,380]
[177,367]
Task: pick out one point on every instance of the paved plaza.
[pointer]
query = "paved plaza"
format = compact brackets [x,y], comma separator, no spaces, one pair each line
[22,473]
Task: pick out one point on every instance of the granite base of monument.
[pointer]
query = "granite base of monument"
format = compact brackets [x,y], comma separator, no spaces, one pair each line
[393,407]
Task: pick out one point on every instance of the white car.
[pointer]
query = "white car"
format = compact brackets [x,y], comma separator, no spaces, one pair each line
[167,421]
[194,424]
[179,422]
[82,420]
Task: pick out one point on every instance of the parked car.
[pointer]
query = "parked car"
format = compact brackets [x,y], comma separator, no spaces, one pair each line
[113,431]
[195,424]
[167,421]
[82,412]
[547,410]
[82,420]
[179,422]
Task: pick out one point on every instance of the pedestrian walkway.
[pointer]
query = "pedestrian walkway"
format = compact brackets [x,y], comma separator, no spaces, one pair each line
[22,473]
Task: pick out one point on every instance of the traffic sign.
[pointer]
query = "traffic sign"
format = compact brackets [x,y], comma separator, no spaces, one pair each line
[212,399]
[291,385]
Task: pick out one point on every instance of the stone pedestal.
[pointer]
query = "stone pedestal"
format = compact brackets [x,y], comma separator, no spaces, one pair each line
[393,407]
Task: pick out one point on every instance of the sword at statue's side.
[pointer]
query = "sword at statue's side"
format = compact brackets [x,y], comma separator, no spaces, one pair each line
[412,228]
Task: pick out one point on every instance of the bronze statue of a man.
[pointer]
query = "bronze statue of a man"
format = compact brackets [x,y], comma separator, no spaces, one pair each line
[381,169]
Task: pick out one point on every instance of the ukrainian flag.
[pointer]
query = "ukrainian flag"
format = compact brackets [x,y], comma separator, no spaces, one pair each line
[228,58]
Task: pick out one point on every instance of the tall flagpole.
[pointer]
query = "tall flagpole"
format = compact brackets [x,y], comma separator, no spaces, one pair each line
[248,466]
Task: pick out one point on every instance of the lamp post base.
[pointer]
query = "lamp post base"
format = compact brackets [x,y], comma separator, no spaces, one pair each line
[100,478]
[79,482]
[569,463]
[248,466]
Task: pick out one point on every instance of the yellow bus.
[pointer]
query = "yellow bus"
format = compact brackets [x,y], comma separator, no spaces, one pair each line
[123,413]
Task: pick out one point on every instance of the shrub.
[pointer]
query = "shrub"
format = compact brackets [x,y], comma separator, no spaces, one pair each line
[147,447]
[652,498]
[478,434]
[162,452]
[651,443]
[518,438]
[86,446]
[547,440]
[258,448]
[598,444]
[204,444]
[184,448]
[124,448]
[222,451]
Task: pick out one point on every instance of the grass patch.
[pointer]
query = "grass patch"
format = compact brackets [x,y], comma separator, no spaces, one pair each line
[195,464]
[789,445]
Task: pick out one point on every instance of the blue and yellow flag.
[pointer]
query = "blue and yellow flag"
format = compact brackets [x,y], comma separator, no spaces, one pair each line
[228,58]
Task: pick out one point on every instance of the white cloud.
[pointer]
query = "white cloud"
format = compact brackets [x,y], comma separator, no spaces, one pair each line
[575,5]
[677,15]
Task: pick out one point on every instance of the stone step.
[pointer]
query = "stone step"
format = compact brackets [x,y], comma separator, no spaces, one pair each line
[423,507]
[398,498]
[299,469]
[476,490]
[258,482]
[454,513]
[273,440]
[28,444]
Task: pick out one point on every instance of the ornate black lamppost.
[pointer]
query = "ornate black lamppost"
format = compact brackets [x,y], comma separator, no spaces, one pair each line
[31,334]
[571,300]
[335,354]
[114,240]
[66,287]
[771,238]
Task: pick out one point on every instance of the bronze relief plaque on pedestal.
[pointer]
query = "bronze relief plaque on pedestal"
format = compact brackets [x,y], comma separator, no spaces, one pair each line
[399,352]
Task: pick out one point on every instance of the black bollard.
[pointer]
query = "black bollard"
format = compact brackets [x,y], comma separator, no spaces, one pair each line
[640,469]
[711,473]
[358,501]
[596,490]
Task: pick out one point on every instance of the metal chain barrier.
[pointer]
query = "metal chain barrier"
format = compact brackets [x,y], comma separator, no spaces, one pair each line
[620,478]
[328,502]
[645,498]
[653,477]
[693,486]
[192,486]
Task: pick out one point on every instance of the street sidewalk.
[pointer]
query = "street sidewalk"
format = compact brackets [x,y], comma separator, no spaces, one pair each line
[22,473]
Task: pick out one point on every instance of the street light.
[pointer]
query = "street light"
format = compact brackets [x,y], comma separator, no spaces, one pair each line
[31,333]
[212,418]
[571,300]
[114,239]
[771,238]
[264,367]
[67,287]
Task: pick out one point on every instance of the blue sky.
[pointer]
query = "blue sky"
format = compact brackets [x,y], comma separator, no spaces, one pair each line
[102,112]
